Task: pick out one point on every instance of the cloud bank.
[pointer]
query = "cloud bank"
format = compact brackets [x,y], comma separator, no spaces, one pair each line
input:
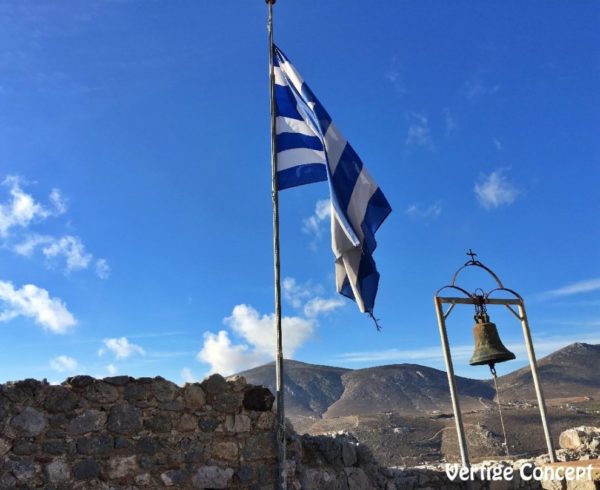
[33,302]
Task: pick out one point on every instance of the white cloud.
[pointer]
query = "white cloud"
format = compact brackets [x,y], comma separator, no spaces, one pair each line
[312,224]
[579,287]
[416,211]
[258,330]
[22,209]
[34,302]
[188,376]
[498,144]
[451,124]
[27,247]
[102,269]
[71,249]
[63,364]
[225,358]
[112,369]
[475,88]
[296,294]
[418,131]
[258,333]
[68,249]
[319,306]
[121,348]
[394,76]
[58,202]
[495,190]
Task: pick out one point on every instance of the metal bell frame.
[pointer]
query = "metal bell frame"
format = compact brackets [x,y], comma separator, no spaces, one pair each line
[521,315]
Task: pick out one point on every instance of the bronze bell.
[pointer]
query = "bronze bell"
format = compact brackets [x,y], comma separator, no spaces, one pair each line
[489,349]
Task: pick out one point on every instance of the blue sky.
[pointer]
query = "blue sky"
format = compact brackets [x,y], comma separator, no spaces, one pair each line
[135,218]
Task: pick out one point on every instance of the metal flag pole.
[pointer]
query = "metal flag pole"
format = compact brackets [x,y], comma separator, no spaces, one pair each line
[281,473]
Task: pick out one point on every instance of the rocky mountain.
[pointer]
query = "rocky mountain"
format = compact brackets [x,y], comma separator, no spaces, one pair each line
[569,372]
[407,389]
[410,389]
[402,412]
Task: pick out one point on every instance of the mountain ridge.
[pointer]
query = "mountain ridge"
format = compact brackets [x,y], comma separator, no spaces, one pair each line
[321,391]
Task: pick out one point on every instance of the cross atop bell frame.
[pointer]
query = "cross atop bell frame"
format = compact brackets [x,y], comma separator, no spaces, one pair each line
[478,300]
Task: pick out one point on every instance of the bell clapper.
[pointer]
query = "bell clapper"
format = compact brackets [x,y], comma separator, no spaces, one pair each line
[505,443]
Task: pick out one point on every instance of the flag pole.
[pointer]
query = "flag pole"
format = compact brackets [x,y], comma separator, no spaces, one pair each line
[281,473]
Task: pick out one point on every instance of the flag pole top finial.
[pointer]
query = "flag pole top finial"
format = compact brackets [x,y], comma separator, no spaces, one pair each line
[272,2]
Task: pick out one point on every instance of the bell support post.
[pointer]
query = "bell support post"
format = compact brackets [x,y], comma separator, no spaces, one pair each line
[521,315]
[460,429]
[536,380]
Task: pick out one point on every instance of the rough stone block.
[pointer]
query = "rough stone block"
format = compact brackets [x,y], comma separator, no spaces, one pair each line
[266,421]
[237,382]
[98,445]
[58,471]
[193,451]
[80,382]
[124,419]
[117,380]
[259,446]
[578,436]
[135,392]
[227,402]
[187,423]
[54,446]
[24,447]
[357,480]
[122,443]
[212,477]
[258,398]
[120,467]
[101,393]
[159,422]
[23,469]
[4,446]
[245,473]
[318,479]
[172,406]
[225,450]
[60,399]
[194,396]
[30,422]
[215,384]
[174,478]
[238,423]
[148,445]
[145,480]
[348,454]
[89,421]
[208,424]
[164,390]
[86,469]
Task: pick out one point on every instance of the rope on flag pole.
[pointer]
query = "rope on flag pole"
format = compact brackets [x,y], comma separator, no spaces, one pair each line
[281,457]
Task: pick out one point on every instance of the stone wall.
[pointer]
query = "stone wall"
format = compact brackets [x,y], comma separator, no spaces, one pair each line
[125,433]
[121,432]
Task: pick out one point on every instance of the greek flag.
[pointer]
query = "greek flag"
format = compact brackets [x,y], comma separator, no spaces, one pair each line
[311,149]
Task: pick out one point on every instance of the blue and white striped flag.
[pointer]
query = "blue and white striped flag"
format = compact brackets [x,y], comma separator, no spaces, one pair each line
[311,149]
